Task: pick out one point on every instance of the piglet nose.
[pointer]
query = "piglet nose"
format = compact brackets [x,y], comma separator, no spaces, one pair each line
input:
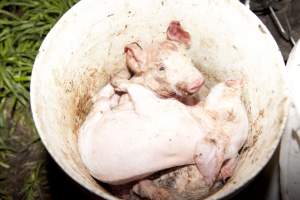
[195,86]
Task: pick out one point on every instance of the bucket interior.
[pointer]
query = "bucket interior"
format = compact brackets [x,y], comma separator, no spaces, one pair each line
[86,46]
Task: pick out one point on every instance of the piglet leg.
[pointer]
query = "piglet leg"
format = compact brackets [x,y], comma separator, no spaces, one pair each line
[104,100]
[125,103]
[143,99]
[228,169]
[209,158]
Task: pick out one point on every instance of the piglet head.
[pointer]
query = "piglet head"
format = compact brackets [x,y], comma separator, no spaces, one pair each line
[173,67]
[174,70]
[165,66]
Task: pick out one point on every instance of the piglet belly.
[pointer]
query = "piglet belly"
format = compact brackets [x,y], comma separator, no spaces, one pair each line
[127,147]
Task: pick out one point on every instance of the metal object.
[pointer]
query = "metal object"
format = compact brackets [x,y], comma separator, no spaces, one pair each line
[246,3]
[285,33]
[271,7]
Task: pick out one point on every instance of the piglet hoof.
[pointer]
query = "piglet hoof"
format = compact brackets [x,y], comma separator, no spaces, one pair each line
[121,86]
[208,158]
[208,179]
[228,169]
[224,175]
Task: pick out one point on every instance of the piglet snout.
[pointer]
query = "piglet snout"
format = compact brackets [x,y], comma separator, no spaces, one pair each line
[195,86]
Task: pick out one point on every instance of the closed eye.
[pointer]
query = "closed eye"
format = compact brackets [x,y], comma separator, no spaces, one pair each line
[161,67]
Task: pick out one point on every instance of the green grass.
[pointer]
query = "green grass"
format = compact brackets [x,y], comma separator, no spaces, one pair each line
[23,26]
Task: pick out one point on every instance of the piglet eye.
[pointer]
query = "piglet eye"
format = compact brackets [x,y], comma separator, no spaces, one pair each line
[161,67]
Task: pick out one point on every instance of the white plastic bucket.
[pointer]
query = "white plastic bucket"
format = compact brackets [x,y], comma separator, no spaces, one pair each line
[86,45]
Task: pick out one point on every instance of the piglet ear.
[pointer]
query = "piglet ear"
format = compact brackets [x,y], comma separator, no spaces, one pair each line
[135,57]
[176,33]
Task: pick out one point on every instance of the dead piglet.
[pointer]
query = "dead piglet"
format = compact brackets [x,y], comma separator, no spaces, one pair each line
[224,104]
[216,156]
[136,142]
[164,67]
[130,144]
[209,135]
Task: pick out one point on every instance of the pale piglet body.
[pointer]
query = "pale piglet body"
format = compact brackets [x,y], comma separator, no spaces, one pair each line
[224,116]
[129,144]
[137,126]
[141,140]
[225,106]
[140,118]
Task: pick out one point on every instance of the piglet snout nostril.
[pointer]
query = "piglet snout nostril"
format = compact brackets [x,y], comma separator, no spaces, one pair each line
[195,86]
